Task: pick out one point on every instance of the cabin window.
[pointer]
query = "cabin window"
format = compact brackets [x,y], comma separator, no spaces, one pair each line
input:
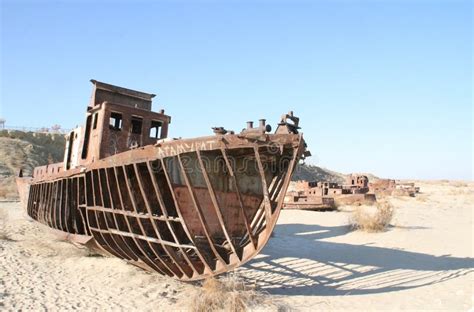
[69,151]
[86,138]
[137,125]
[94,121]
[115,121]
[155,129]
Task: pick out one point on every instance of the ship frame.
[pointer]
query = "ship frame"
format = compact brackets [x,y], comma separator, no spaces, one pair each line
[185,208]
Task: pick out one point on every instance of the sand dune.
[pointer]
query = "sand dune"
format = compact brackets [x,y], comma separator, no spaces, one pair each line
[424,261]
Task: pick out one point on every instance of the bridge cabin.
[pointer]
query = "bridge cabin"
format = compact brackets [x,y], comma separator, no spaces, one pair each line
[117,120]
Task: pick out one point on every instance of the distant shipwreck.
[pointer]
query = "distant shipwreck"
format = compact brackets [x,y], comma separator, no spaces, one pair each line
[186,208]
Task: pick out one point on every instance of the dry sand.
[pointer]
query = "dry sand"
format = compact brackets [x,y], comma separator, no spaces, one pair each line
[313,262]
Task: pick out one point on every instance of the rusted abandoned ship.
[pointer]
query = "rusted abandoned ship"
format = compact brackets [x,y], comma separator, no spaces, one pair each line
[187,208]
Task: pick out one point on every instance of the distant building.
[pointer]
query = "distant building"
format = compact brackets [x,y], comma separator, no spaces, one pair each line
[314,195]
[383,186]
[2,123]
[357,184]
[392,187]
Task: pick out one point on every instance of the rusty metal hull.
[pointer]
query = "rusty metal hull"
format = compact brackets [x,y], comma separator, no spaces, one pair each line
[189,209]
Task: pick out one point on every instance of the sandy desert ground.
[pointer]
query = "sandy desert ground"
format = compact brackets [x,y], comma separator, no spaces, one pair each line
[314,261]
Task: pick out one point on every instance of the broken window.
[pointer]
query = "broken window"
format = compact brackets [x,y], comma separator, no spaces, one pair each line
[155,129]
[94,121]
[115,122]
[136,125]
[87,135]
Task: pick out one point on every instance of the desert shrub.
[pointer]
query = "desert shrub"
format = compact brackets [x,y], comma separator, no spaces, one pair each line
[372,219]
[459,191]
[225,294]
[459,184]
[4,235]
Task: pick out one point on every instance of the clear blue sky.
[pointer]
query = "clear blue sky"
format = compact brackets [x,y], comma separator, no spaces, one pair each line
[380,86]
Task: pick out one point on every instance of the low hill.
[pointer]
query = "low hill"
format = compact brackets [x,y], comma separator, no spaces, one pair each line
[314,173]
[25,150]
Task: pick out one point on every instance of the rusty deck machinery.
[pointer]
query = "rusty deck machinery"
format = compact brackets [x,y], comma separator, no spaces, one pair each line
[187,208]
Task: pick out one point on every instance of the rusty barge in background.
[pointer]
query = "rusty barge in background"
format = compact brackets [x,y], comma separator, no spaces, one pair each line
[186,208]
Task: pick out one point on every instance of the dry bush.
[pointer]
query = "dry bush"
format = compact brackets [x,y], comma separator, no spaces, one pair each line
[459,191]
[225,294]
[4,235]
[458,184]
[373,219]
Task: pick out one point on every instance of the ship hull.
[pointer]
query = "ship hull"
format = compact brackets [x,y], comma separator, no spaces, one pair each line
[189,209]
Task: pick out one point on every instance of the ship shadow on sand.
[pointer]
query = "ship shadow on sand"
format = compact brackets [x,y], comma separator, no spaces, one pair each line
[297,262]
